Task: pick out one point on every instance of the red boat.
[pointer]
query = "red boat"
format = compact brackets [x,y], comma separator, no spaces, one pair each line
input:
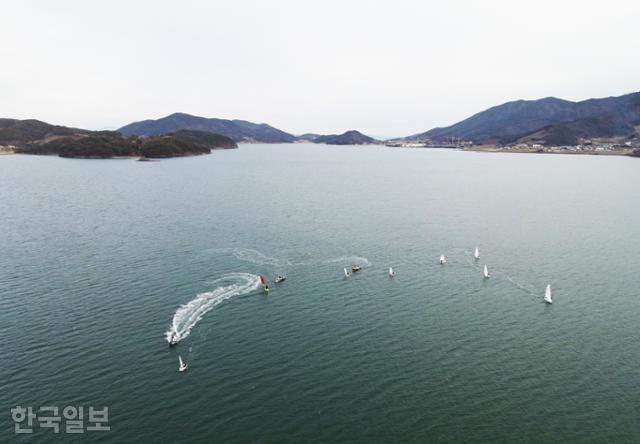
[265,287]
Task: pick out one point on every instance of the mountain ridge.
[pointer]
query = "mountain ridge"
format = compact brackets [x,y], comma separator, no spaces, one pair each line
[558,119]
[238,130]
[547,121]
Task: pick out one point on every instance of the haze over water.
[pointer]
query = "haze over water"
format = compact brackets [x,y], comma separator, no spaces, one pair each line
[99,255]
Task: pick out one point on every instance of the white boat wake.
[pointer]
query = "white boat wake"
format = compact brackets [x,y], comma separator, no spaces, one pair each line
[254,256]
[188,315]
[259,258]
[520,286]
[351,260]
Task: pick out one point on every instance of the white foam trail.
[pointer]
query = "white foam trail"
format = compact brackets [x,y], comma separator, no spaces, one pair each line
[255,257]
[351,260]
[188,315]
[519,286]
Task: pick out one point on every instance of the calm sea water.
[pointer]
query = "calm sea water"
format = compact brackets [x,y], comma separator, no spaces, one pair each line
[98,256]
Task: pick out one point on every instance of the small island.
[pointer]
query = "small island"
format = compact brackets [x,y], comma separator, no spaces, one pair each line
[352,137]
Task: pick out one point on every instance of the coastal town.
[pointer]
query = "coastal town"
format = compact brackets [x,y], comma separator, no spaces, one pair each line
[592,147]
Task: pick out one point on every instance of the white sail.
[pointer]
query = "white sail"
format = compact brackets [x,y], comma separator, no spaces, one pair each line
[547,295]
[443,260]
[183,365]
[391,273]
[476,253]
[486,272]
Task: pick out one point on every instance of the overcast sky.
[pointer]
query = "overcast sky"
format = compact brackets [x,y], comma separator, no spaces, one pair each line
[387,68]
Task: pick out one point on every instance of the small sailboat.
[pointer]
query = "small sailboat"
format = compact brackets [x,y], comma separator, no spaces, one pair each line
[346,273]
[391,272]
[183,366]
[486,272]
[265,287]
[547,295]
[443,260]
[476,253]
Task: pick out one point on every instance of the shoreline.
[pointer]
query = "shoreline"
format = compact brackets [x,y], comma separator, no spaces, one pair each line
[626,152]
[493,149]
[10,153]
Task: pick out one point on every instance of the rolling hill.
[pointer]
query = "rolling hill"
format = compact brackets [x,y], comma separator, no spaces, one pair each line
[22,132]
[37,137]
[238,130]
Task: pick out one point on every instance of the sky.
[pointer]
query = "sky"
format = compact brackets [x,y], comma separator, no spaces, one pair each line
[387,68]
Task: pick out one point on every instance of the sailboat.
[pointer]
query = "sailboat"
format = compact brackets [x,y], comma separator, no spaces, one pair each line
[391,272]
[443,260]
[547,295]
[183,366]
[265,287]
[476,253]
[486,272]
[346,273]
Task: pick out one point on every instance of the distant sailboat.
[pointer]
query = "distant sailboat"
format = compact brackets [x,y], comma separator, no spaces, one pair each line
[476,253]
[346,273]
[547,295]
[391,272]
[183,366]
[486,272]
[443,260]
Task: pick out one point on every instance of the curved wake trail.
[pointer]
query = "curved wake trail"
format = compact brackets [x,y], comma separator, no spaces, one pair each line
[255,257]
[471,262]
[259,258]
[188,315]
[524,288]
[351,260]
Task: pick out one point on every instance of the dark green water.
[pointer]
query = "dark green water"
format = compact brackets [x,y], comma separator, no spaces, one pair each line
[97,257]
